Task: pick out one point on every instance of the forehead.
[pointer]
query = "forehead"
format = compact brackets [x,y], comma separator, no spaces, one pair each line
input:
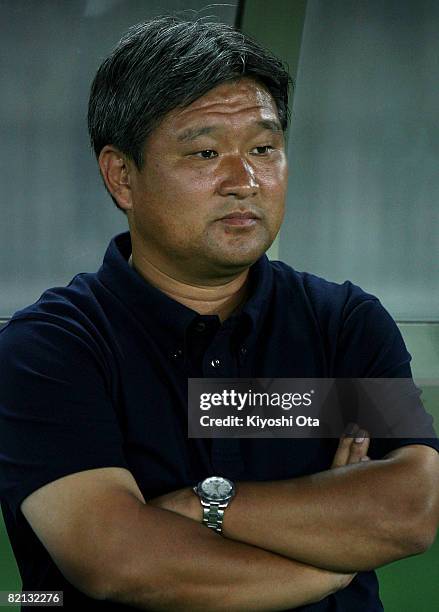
[233,101]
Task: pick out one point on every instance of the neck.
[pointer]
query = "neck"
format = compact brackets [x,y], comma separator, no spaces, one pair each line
[221,300]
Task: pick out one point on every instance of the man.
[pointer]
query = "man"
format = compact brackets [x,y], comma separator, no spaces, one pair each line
[97,472]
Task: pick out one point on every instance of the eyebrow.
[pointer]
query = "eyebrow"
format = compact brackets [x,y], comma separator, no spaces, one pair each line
[191,134]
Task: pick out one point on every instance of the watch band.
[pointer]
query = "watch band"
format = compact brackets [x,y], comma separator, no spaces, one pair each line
[213,514]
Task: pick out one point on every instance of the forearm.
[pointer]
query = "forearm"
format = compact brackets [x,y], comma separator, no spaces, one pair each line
[168,562]
[352,518]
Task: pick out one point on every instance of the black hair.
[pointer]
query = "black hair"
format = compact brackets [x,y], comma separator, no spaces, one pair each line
[166,63]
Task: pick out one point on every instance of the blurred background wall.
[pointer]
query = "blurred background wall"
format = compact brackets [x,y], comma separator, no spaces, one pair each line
[363,148]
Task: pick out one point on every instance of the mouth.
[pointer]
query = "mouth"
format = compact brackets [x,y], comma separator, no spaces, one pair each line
[240,218]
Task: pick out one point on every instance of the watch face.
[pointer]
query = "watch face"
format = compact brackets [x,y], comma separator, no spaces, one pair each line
[217,488]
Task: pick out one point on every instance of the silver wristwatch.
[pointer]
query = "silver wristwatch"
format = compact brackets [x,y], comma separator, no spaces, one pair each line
[215,494]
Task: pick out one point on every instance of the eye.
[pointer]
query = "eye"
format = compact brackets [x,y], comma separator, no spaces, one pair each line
[206,154]
[263,149]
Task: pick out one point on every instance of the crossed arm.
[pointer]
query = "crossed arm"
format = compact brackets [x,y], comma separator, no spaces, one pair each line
[302,540]
[355,517]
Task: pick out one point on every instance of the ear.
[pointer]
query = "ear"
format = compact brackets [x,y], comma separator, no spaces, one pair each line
[115,169]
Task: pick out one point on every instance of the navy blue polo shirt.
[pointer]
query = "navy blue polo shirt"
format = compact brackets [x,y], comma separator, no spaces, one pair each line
[95,375]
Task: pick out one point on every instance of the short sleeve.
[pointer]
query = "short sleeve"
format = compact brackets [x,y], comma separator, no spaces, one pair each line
[370,345]
[56,413]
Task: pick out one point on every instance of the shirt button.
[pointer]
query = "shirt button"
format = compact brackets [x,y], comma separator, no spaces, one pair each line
[215,363]
[200,326]
[177,354]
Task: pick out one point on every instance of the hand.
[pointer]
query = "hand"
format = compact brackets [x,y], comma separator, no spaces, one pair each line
[352,448]
[183,502]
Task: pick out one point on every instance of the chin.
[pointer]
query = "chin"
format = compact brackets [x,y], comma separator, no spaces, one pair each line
[239,259]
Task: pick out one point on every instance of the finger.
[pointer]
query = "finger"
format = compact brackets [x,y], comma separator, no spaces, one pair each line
[344,446]
[359,447]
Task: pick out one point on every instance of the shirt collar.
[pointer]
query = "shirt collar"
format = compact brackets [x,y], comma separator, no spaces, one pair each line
[161,314]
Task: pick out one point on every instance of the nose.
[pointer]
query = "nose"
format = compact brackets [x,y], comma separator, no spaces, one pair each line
[237,178]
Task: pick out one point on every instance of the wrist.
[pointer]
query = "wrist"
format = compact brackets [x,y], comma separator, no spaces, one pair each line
[195,507]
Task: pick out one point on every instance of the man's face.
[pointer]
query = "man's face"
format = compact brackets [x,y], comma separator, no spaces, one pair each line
[224,154]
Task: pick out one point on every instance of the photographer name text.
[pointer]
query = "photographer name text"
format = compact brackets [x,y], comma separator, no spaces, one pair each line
[259,422]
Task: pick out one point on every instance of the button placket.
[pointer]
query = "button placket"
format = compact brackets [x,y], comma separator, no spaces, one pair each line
[177,354]
[215,361]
